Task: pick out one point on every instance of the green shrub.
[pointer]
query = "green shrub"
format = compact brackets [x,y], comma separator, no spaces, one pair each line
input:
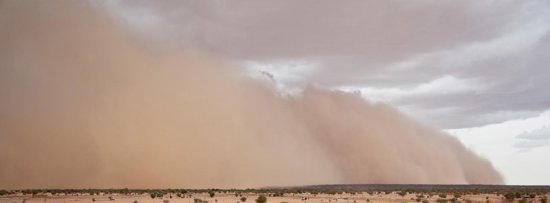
[261,199]
[509,196]
[442,200]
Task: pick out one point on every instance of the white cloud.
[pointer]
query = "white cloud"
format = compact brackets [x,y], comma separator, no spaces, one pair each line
[447,84]
[284,74]
[498,142]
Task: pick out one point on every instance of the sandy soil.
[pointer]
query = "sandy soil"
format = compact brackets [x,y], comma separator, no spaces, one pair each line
[230,198]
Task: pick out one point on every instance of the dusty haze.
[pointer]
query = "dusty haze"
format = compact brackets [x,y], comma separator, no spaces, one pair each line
[85,103]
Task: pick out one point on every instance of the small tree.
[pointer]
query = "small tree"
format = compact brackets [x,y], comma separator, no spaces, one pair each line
[211,193]
[243,199]
[261,199]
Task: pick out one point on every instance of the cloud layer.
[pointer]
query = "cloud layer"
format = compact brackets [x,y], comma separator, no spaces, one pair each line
[493,51]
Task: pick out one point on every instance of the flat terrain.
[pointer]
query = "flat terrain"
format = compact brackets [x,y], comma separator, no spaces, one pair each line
[310,194]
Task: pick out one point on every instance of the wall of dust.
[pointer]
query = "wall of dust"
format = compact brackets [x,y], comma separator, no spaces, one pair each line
[84,103]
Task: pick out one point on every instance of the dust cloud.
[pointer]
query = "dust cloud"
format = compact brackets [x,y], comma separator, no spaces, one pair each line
[85,103]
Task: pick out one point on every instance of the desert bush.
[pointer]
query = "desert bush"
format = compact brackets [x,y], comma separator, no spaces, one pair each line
[440,200]
[261,199]
[135,201]
[509,196]
[211,194]
[425,201]
[522,200]
[243,199]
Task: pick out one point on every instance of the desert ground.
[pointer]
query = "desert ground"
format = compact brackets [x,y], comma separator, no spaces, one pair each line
[303,197]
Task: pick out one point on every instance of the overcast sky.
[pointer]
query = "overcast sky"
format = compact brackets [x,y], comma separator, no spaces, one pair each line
[476,69]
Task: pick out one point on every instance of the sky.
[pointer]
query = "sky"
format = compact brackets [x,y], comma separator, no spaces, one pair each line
[475,69]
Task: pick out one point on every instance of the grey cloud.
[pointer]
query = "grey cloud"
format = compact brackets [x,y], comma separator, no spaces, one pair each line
[359,44]
[534,139]
[513,87]
[540,134]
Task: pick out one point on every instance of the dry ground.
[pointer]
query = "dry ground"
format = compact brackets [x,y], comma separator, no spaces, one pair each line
[230,198]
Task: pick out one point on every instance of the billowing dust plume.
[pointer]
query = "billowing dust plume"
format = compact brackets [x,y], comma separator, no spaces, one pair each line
[84,103]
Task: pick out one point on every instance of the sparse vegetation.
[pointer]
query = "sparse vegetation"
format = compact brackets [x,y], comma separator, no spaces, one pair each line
[261,199]
[197,200]
[509,196]
[522,200]
[441,200]
[342,193]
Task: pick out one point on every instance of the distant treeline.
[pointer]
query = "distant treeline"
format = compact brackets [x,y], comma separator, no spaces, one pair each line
[422,188]
[316,189]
